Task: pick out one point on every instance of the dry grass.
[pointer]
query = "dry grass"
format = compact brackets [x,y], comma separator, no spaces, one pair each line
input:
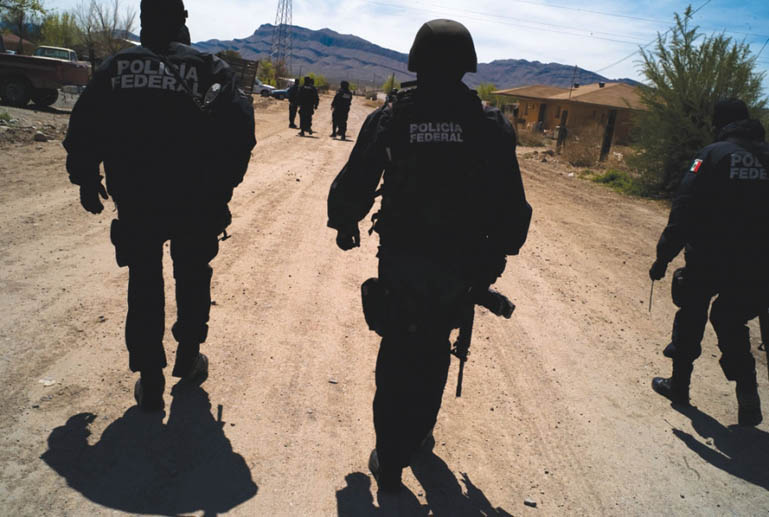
[528,138]
[583,146]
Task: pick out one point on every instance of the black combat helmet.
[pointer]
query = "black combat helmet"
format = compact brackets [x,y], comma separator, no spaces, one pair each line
[727,111]
[163,21]
[443,45]
[345,85]
[309,80]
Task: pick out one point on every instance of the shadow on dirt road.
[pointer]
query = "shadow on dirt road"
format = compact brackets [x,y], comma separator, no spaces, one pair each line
[742,452]
[142,466]
[443,492]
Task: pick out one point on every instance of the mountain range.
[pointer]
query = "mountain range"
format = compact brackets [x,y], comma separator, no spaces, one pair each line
[345,56]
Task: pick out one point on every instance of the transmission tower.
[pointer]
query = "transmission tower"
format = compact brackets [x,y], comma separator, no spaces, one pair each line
[282,38]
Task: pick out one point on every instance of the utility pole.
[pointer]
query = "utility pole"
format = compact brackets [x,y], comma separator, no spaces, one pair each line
[282,38]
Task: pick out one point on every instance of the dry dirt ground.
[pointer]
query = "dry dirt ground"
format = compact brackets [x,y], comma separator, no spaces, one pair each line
[557,405]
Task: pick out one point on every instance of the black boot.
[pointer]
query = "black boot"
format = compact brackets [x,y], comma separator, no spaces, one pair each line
[388,481]
[190,365]
[748,402]
[676,387]
[148,390]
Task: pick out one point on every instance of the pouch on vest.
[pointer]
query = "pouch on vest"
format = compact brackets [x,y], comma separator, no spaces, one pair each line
[678,287]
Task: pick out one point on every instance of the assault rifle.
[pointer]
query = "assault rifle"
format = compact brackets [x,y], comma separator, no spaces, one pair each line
[497,303]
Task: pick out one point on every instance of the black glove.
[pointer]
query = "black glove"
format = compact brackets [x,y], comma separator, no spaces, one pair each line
[348,238]
[89,197]
[657,271]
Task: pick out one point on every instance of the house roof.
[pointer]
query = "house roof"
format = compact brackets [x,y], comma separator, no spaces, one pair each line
[615,95]
[535,91]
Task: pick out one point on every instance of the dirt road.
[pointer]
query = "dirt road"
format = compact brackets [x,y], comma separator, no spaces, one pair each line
[557,405]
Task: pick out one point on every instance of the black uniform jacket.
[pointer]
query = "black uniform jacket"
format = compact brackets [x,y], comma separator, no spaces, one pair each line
[307,97]
[342,101]
[720,213]
[451,176]
[160,150]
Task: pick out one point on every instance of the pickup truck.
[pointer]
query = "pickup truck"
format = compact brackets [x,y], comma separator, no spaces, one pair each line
[39,78]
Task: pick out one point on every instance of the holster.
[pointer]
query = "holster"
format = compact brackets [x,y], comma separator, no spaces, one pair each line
[678,287]
[118,237]
[374,300]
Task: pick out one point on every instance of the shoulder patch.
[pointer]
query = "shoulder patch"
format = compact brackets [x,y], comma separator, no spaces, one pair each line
[696,166]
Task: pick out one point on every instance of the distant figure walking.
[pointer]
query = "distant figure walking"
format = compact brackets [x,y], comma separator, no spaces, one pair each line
[175,136]
[340,109]
[308,101]
[291,95]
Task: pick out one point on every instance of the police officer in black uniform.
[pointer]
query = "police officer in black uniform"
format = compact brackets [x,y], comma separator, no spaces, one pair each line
[720,216]
[308,100]
[340,109]
[453,207]
[291,94]
[175,136]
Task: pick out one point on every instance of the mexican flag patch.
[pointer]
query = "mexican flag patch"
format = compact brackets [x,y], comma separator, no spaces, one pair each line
[696,166]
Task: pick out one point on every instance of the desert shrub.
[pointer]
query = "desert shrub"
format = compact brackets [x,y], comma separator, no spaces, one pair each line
[528,138]
[624,181]
[583,146]
[4,116]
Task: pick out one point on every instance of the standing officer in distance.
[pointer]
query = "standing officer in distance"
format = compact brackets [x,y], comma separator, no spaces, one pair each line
[453,207]
[173,151]
[340,107]
[720,216]
[307,98]
[291,94]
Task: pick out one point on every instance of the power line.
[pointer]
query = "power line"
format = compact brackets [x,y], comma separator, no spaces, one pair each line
[496,19]
[762,48]
[644,46]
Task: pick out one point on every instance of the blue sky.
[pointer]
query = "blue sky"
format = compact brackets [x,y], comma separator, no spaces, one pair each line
[595,36]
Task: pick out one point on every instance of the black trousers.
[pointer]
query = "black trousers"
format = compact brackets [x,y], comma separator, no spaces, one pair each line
[339,122]
[142,249]
[305,118]
[415,352]
[411,374]
[737,303]
[292,114]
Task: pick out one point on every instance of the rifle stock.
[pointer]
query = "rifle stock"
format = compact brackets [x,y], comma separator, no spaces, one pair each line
[492,300]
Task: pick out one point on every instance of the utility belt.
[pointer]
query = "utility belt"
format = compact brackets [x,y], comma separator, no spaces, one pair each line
[126,236]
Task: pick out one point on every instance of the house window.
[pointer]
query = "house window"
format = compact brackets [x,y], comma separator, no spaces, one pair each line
[557,112]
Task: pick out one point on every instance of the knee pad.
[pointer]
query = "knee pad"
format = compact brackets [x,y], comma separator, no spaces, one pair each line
[678,287]
[189,334]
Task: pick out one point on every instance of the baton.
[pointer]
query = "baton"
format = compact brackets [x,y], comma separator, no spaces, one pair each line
[651,295]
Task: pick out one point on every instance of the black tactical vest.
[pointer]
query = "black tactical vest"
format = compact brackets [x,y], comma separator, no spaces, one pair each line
[435,195]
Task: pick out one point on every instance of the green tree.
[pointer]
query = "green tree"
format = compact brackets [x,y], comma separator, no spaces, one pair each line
[18,14]
[391,84]
[266,73]
[320,80]
[687,73]
[484,92]
[60,30]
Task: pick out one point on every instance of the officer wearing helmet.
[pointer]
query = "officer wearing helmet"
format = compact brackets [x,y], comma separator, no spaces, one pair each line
[340,109]
[174,135]
[307,98]
[719,217]
[453,207]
